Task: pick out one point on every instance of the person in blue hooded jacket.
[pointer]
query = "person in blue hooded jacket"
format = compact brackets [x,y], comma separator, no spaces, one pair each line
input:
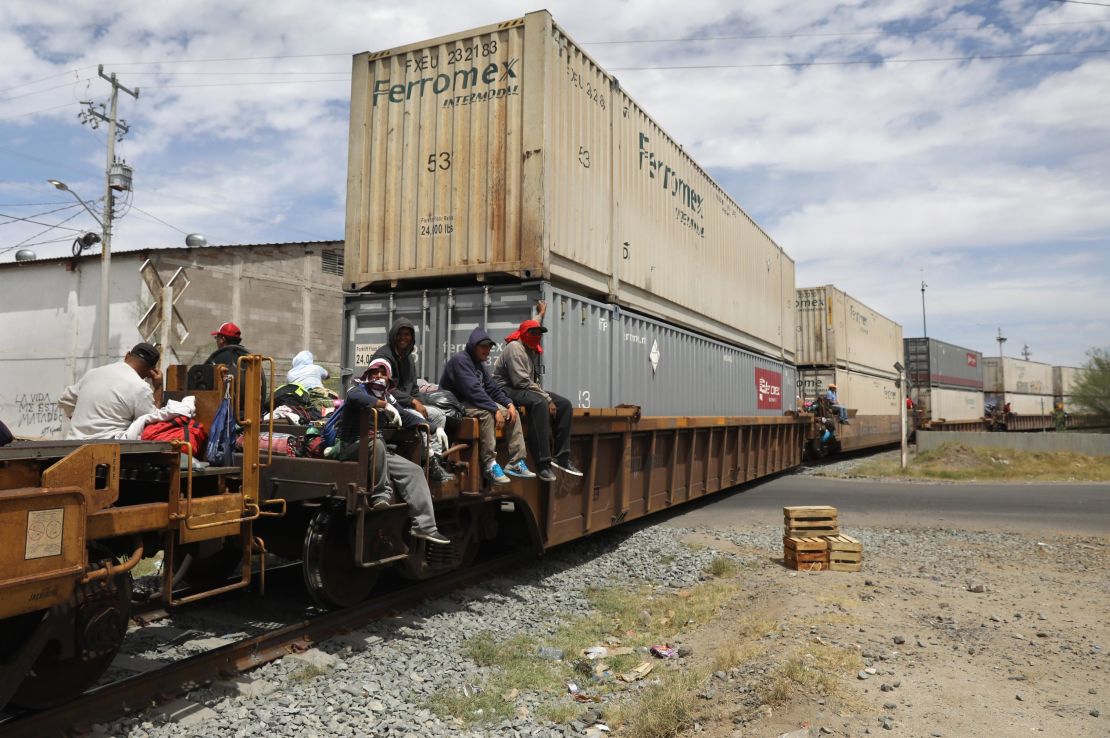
[468,378]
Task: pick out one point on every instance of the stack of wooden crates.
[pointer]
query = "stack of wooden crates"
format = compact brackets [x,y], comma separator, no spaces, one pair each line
[812,541]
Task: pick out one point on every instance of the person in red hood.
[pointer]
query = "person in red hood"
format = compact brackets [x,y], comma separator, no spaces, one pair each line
[517,371]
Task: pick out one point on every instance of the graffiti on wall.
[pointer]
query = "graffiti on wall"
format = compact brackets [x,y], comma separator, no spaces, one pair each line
[37,414]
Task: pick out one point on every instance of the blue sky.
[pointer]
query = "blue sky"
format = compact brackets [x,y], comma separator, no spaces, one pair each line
[987,177]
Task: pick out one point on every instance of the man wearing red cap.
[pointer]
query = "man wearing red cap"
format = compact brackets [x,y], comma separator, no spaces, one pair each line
[229,347]
[517,372]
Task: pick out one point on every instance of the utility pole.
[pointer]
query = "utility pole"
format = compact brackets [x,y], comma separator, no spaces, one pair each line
[116,129]
[1001,340]
[1025,352]
[924,329]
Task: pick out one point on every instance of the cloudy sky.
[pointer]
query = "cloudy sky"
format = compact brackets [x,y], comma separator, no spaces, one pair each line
[880,142]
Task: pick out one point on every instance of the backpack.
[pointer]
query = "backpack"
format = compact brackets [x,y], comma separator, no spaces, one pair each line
[331,427]
[221,439]
[176,429]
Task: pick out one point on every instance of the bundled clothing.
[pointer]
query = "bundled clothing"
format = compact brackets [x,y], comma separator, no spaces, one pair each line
[105,402]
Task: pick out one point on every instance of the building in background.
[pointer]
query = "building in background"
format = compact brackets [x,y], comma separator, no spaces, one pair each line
[285,297]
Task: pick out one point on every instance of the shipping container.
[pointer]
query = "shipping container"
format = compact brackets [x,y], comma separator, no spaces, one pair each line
[1064,379]
[1020,403]
[933,363]
[1014,375]
[595,354]
[835,329]
[863,394]
[507,153]
[943,403]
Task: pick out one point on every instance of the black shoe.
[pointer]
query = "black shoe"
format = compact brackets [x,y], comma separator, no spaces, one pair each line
[437,473]
[432,536]
[546,475]
[567,467]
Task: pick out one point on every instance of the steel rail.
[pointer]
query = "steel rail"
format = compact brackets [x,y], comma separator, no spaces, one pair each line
[142,691]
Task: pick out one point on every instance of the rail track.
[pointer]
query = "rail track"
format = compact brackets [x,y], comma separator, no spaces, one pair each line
[111,701]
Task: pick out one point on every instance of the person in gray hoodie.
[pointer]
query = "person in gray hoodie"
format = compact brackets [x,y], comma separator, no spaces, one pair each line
[466,376]
[517,372]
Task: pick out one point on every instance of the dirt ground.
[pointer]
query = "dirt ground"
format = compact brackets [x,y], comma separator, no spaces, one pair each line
[943,633]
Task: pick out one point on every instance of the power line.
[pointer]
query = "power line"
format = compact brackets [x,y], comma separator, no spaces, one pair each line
[837,34]
[155,217]
[16,218]
[32,204]
[76,71]
[45,89]
[849,62]
[55,107]
[1084,2]
[56,225]
[36,243]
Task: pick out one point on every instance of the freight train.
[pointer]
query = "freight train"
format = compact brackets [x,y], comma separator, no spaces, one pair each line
[518,171]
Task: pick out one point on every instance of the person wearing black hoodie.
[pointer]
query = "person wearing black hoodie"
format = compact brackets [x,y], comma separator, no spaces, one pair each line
[229,347]
[467,377]
[399,352]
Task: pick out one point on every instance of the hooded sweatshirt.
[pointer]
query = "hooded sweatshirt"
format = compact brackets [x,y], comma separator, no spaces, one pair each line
[229,356]
[517,369]
[402,365]
[305,373]
[470,380]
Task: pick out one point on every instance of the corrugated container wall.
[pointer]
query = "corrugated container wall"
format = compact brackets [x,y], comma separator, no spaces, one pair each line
[835,329]
[595,354]
[506,152]
[933,363]
[944,403]
[1064,379]
[1022,404]
[1014,375]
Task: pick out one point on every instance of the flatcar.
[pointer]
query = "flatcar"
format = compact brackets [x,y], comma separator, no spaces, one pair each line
[76,518]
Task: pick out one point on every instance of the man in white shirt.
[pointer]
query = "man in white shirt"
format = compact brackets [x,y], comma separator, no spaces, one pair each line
[107,399]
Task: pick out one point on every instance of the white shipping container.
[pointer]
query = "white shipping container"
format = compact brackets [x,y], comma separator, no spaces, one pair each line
[939,403]
[507,151]
[1064,379]
[1023,404]
[865,393]
[835,329]
[1014,375]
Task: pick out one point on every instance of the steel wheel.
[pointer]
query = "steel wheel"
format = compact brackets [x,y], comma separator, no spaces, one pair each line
[330,573]
[98,626]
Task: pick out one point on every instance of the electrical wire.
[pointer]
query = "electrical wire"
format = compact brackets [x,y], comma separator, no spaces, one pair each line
[32,204]
[851,62]
[1084,2]
[75,71]
[155,217]
[47,110]
[45,89]
[36,243]
[56,225]
[16,218]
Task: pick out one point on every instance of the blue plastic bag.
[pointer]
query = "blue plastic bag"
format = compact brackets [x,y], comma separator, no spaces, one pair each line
[221,440]
[331,427]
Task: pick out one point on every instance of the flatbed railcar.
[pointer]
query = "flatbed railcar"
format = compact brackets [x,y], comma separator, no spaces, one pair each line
[77,517]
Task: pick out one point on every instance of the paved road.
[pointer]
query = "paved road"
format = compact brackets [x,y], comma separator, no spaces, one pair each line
[1080,509]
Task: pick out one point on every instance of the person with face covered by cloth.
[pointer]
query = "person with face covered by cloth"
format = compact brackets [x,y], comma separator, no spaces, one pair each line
[399,352]
[517,372]
[394,473]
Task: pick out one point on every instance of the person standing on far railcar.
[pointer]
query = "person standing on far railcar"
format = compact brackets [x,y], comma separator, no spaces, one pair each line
[841,411]
[517,372]
[467,377]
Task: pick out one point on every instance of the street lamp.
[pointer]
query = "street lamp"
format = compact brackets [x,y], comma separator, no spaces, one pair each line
[902,408]
[102,309]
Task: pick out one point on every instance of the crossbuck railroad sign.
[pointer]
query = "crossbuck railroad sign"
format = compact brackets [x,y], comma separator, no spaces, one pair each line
[162,318]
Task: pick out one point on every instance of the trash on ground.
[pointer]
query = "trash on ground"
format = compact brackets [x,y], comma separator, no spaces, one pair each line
[638,673]
[663,652]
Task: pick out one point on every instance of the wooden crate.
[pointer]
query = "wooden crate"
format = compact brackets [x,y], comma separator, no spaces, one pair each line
[801,521]
[805,553]
[845,553]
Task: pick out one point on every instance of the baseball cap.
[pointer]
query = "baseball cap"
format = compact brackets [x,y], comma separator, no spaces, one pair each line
[146,352]
[228,330]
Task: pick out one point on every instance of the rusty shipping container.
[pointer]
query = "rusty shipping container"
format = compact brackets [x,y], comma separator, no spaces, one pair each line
[507,153]
[933,363]
[1017,376]
[595,354]
[837,330]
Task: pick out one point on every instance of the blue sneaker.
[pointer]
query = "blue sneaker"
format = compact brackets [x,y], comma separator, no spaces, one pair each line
[520,469]
[495,474]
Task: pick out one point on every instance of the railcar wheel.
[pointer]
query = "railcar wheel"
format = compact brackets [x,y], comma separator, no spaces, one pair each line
[95,630]
[330,574]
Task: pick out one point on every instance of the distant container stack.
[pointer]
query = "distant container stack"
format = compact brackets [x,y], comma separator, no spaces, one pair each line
[1026,386]
[1064,380]
[946,380]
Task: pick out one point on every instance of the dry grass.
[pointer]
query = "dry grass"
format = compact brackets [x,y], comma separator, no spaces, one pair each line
[959,462]
[812,669]
[661,710]
[722,567]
